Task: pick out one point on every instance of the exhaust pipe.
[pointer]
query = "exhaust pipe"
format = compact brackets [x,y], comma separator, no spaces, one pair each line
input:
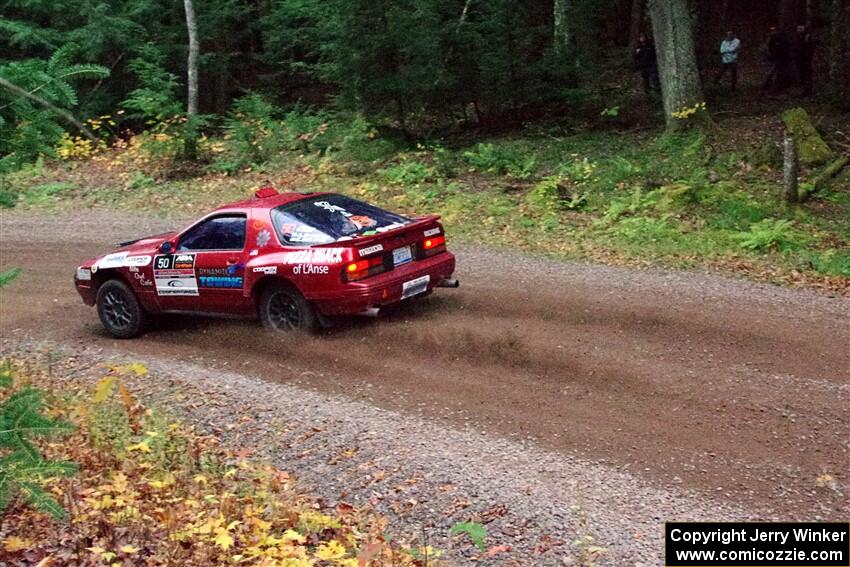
[370,312]
[449,282]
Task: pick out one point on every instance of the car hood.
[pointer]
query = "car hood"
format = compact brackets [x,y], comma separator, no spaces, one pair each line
[147,245]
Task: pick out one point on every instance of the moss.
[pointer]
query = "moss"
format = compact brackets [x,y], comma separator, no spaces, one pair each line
[811,148]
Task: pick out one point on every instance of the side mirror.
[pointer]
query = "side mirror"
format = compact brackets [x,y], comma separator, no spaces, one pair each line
[166,247]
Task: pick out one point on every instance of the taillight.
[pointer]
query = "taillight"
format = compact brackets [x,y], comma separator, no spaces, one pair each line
[435,242]
[431,246]
[355,271]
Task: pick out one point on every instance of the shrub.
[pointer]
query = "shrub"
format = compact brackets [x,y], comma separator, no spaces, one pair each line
[252,133]
[8,199]
[501,161]
[46,193]
[408,172]
[551,194]
[769,234]
[645,230]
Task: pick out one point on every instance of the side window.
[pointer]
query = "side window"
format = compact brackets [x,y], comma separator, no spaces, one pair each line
[219,233]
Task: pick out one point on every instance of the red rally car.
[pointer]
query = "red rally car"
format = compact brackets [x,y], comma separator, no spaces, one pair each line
[291,259]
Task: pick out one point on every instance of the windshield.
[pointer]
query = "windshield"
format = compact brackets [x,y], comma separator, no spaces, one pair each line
[329,218]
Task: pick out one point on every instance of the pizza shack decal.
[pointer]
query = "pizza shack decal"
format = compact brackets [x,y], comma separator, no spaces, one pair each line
[174,274]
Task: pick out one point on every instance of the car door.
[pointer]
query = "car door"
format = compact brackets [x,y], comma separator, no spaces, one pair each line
[206,272]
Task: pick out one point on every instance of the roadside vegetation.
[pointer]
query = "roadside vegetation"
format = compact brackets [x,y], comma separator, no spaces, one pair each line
[90,476]
[695,199]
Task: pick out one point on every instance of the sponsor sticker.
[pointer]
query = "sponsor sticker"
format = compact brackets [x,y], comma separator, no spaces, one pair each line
[268,270]
[263,238]
[431,232]
[221,282]
[371,249]
[142,279]
[83,274]
[137,261]
[310,270]
[314,256]
[115,260]
[184,261]
[176,285]
[174,274]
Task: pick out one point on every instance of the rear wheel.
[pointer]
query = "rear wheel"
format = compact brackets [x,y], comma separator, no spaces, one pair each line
[284,309]
[119,310]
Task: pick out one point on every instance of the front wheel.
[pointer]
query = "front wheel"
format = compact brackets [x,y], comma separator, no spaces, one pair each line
[119,310]
[284,309]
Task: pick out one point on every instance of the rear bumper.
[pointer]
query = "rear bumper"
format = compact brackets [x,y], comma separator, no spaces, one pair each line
[384,289]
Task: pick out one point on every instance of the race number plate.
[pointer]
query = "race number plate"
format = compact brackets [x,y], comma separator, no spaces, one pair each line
[402,256]
[415,287]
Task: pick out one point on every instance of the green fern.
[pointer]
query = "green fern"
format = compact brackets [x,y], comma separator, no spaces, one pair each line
[768,234]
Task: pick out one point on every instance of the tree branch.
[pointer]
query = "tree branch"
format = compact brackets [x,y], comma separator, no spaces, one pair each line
[61,112]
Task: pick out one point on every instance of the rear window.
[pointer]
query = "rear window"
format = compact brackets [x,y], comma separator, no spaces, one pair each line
[329,218]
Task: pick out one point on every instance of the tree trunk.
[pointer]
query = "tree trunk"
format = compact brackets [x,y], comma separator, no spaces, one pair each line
[190,141]
[811,14]
[564,38]
[192,65]
[788,12]
[839,56]
[635,26]
[790,169]
[681,88]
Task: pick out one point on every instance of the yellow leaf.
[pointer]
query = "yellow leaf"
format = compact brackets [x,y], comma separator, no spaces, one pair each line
[292,535]
[136,368]
[151,433]
[223,540]
[96,549]
[200,479]
[129,549]
[14,543]
[104,388]
[143,447]
[330,551]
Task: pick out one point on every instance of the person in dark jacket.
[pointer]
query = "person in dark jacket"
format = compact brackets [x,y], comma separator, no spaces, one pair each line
[779,55]
[803,50]
[647,64]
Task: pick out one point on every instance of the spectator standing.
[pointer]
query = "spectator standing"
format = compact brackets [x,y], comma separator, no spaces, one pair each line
[730,49]
[779,55]
[647,64]
[803,50]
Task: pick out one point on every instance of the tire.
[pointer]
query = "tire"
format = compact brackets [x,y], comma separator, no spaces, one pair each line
[284,310]
[119,310]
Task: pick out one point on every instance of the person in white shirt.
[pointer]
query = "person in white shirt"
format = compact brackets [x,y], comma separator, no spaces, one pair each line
[730,48]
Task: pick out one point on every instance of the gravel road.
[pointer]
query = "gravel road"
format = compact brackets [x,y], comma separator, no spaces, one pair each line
[552,399]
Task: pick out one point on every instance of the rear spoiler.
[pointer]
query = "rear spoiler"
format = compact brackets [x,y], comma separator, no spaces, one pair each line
[414,224]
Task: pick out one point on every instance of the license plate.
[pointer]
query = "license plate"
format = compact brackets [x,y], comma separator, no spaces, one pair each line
[415,287]
[402,256]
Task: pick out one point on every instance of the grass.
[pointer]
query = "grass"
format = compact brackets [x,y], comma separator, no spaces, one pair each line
[638,199]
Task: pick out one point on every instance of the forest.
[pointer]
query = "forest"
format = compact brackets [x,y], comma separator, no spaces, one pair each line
[608,122]
[647,203]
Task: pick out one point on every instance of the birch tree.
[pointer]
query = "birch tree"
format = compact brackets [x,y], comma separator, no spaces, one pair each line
[191,81]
